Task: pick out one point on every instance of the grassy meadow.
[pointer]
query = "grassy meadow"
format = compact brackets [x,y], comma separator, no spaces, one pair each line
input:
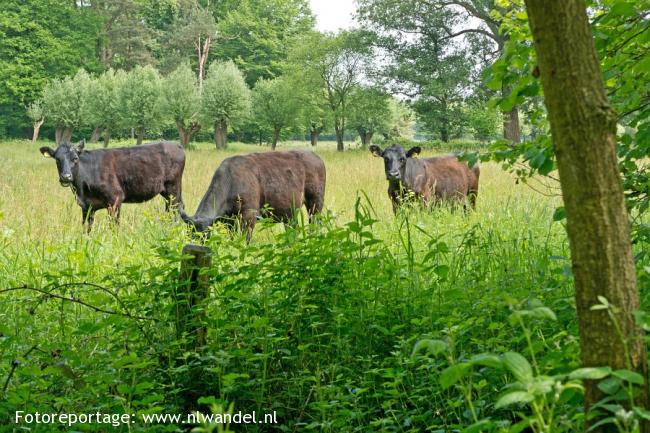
[36,209]
[318,324]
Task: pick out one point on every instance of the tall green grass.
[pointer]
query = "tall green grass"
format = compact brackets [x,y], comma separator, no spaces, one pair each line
[317,323]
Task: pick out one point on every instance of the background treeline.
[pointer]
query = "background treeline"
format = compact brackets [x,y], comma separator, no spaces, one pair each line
[255,69]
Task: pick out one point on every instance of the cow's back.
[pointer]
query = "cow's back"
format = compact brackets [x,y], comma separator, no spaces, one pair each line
[450,177]
[142,172]
[279,180]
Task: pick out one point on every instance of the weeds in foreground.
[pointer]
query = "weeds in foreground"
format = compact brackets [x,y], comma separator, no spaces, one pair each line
[331,326]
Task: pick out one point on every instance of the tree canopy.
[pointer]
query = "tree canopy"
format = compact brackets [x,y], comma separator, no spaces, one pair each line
[226,99]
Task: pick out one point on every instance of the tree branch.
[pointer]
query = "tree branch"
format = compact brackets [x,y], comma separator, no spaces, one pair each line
[77,301]
[451,35]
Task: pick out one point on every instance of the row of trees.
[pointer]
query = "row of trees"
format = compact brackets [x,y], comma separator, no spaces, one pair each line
[46,39]
[265,39]
[142,100]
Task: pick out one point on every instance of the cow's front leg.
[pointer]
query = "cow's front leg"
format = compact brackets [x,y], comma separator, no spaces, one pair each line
[395,201]
[248,220]
[115,207]
[87,218]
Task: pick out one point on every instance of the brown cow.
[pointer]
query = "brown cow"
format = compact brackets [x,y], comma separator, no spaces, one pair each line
[274,184]
[106,178]
[430,179]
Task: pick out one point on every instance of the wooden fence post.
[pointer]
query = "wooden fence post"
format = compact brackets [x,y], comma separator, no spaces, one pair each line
[192,290]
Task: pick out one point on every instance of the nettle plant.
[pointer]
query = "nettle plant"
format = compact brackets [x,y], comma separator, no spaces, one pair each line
[535,396]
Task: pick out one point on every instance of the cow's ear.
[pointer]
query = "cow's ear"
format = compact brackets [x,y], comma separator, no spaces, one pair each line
[47,152]
[80,146]
[413,151]
[375,150]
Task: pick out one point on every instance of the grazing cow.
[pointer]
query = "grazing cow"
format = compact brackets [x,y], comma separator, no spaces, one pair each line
[429,179]
[106,178]
[274,184]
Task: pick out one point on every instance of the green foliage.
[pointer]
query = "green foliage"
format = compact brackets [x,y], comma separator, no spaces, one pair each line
[139,97]
[180,97]
[370,113]
[331,66]
[426,59]
[193,33]
[125,39]
[484,121]
[41,40]
[36,111]
[226,97]
[275,104]
[65,100]
[103,101]
[363,323]
[257,35]
[620,34]
[402,119]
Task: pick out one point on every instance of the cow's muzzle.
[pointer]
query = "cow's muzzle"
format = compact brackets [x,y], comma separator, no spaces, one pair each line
[393,175]
[65,179]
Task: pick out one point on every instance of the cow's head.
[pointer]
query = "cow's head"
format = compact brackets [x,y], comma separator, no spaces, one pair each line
[67,159]
[395,159]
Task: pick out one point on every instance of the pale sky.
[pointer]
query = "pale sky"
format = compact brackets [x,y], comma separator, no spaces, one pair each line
[332,15]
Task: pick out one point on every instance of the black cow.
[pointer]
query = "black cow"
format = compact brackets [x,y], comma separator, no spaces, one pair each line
[106,178]
[273,184]
[430,179]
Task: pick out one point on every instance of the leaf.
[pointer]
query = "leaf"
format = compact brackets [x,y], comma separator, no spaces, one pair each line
[610,385]
[453,374]
[207,400]
[514,398]
[478,426]
[487,360]
[434,347]
[441,270]
[629,376]
[604,421]
[544,313]
[642,413]
[590,373]
[559,214]
[624,9]
[518,366]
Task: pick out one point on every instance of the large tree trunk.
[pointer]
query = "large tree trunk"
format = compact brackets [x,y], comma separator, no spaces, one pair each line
[339,138]
[107,136]
[583,126]
[63,135]
[314,138]
[37,129]
[276,138]
[183,137]
[444,134]
[97,132]
[510,119]
[139,136]
[221,134]
[183,134]
[366,137]
[511,125]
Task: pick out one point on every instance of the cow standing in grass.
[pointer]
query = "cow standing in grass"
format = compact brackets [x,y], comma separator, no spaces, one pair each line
[432,180]
[273,184]
[106,178]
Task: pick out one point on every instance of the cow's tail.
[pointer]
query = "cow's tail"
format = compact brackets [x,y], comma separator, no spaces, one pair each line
[472,192]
